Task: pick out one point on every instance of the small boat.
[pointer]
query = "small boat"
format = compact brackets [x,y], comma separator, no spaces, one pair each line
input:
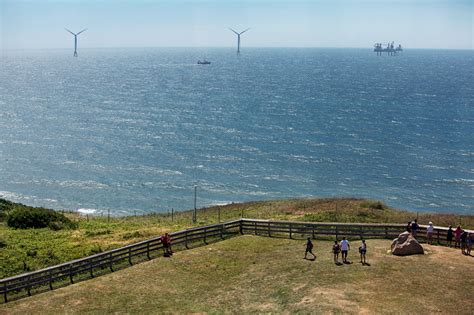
[203,62]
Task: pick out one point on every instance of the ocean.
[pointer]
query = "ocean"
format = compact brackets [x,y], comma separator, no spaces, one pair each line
[134,130]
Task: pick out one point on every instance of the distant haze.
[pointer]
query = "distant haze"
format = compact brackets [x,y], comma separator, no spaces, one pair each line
[284,23]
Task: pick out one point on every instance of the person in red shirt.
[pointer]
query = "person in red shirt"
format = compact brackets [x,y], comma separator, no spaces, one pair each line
[166,241]
[457,236]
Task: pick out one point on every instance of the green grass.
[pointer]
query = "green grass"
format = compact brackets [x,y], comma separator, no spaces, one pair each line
[32,249]
[250,274]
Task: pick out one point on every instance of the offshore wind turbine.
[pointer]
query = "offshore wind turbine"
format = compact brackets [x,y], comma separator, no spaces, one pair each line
[75,39]
[238,39]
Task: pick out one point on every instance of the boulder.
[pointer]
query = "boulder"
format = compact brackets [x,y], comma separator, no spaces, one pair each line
[405,244]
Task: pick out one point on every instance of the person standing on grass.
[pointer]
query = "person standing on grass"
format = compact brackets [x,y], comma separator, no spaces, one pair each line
[457,236]
[463,242]
[469,243]
[166,242]
[414,228]
[335,250]
[363,251]
[429,233]
[345,247]
[309,248]
[449,236]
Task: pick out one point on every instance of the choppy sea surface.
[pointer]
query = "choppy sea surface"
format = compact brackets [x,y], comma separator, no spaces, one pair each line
[135,129]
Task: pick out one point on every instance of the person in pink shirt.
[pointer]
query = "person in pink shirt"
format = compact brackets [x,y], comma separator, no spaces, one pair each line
[457,236]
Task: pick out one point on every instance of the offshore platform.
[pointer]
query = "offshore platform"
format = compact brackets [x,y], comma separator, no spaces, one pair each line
[390,49]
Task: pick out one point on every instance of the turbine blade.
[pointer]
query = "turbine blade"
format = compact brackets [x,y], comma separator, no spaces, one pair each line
[70,32]
[234,31]
[82,31]
[244,31]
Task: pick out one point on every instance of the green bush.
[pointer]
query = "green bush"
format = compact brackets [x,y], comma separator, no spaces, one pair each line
[27,217]
[373,205]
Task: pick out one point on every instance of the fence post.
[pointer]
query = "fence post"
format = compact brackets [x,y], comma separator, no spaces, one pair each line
[130,256]
[70,273]
[28,287]
[240,227]
[360,232]
[51,279]
[337,233]
[269,231]
[91,269]
[438,237]
[186,239]
[222,231]
[110,262]
[148,250]
[386,232]
[5,292]
[290,231]
[255,227]
[312,231]
[205,234]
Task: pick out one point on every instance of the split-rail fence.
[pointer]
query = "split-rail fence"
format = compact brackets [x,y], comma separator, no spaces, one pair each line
[101,263]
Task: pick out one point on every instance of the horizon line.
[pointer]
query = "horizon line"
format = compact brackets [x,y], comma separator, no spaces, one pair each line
[229,47]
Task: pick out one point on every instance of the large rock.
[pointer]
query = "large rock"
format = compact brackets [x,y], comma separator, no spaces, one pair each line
[406,244]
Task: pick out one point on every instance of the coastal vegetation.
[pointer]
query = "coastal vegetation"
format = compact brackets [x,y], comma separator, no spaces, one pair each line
[23,250]
[252,274]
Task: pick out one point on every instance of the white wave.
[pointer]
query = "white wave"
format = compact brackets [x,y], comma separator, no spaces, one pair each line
[87,211]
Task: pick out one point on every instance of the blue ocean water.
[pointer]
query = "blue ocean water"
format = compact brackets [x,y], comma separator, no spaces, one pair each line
[136,129]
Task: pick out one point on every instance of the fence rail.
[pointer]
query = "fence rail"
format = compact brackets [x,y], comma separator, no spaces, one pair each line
[322,229]
[91,266]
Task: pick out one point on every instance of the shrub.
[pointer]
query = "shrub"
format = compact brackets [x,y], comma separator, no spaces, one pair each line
[131,235]
[27,217]
[89,233]
[373,205]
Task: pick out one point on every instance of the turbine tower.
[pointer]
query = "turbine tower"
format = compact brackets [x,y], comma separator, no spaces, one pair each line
[238,39]
[75,39]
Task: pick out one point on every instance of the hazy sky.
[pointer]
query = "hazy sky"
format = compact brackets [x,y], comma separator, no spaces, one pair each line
[278,23]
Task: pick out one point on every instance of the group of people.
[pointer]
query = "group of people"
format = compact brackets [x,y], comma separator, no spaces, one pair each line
[343,248]
[462,239]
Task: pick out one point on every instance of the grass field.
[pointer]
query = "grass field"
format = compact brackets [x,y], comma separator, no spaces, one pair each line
[32,249]
[257,274]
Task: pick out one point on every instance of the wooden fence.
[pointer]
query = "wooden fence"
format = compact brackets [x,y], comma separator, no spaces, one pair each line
[89,267]
[336,231]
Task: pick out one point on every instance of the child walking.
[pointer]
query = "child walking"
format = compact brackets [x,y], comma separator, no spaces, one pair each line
[309,248]
[335,250]
[363,251]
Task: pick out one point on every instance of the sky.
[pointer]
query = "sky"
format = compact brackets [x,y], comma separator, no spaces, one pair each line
[39,24]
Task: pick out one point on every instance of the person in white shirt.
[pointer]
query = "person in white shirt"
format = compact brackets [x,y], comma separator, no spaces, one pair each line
[429,233]
[345,247]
